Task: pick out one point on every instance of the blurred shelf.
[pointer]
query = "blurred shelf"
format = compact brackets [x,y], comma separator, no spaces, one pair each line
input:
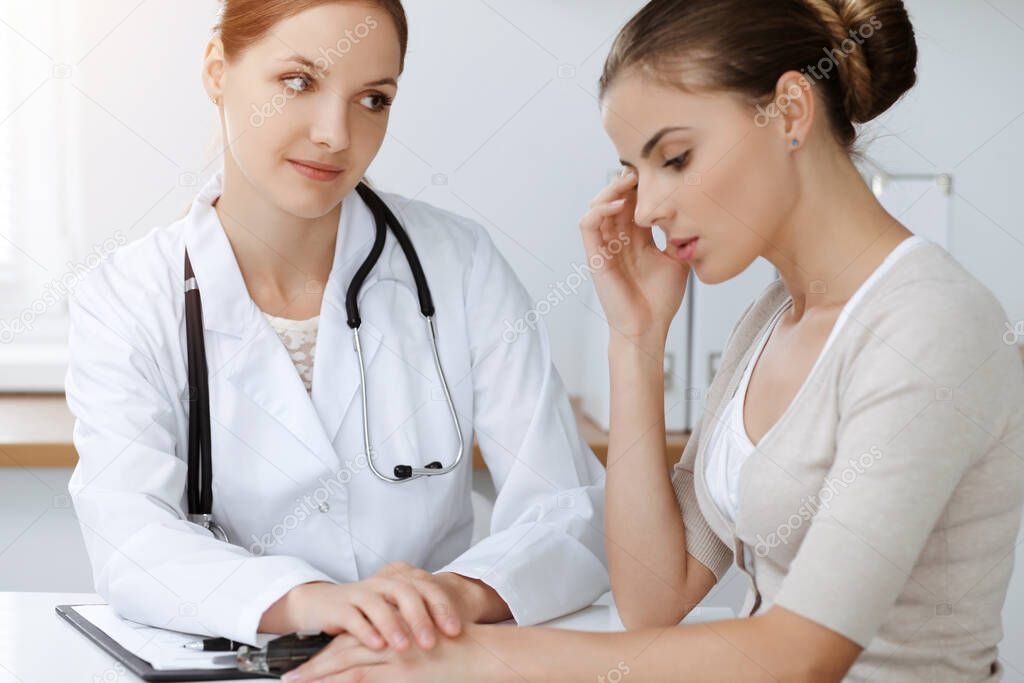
[36,429]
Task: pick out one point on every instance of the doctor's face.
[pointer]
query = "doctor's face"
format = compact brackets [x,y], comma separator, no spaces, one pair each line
[315,90]
[705,170]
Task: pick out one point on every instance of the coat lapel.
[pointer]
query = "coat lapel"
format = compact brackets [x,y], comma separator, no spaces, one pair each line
[336,378]
[336,369]
[253,359]
[263,372]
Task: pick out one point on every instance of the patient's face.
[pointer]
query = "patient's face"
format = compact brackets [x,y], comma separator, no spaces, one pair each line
[720,177]
[333,110]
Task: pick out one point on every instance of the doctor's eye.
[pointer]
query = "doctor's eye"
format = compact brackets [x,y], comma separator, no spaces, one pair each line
[377,102]
[298,82]
[679,162]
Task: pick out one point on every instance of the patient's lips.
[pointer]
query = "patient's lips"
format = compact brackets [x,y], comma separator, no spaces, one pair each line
[684,249]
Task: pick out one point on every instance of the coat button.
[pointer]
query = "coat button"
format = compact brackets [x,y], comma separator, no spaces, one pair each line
[324,507]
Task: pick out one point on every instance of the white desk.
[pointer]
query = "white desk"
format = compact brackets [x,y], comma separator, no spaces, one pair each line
[37,646]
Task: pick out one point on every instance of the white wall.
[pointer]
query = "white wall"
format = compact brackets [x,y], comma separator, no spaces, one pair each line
[966,117]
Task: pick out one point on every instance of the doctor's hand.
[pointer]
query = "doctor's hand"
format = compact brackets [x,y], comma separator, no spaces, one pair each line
[640,286]
[396,605]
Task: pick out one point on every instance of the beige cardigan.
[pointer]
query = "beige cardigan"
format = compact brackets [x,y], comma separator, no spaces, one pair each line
[886,502]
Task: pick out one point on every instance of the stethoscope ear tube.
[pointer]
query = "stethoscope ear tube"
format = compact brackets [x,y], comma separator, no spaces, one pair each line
[352,295]
[200,497]
[385,218]
[422,290]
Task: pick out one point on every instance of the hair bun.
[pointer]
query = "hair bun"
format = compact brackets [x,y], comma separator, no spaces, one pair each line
[875,50]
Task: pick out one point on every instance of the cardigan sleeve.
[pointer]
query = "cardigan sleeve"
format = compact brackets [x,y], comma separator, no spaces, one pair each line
[920,401]
[701,541]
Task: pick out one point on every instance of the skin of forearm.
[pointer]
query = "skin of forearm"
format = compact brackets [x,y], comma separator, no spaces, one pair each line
[281,617]
[646,542]
[753,650]
[275,618]
[482,604]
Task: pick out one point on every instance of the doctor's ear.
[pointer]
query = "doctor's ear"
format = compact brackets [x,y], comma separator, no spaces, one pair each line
[214,66]
[796,107]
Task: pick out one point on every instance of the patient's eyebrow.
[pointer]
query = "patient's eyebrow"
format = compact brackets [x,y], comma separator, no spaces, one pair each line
[653,142]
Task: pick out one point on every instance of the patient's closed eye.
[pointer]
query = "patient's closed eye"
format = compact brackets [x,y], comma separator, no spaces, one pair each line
[679,162]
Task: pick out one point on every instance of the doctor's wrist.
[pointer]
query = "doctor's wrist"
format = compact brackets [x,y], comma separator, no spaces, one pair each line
[290,613]
[477,602]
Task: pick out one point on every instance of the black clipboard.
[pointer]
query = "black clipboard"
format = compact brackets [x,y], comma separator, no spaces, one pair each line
[141,667]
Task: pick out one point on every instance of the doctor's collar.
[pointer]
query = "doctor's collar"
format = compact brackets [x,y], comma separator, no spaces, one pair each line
[213,188]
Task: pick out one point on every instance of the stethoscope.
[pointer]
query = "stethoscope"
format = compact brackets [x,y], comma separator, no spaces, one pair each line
[200,472]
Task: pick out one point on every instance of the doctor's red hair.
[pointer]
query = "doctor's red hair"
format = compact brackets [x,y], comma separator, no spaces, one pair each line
[244,22]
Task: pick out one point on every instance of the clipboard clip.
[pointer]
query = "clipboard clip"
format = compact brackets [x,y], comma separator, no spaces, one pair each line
[281,654]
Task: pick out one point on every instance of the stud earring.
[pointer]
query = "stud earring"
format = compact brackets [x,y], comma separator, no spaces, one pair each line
[795,142]
[215,100]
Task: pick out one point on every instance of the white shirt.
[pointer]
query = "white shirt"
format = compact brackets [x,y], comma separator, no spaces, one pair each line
[730,445]
[299,338]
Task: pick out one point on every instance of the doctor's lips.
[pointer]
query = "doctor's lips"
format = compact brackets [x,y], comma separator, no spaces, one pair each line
[315,170]
[684,249]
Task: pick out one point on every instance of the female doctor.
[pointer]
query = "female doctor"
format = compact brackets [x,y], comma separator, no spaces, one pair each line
[320,528]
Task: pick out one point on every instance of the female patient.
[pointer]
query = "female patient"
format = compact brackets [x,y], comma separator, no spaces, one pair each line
[861,456]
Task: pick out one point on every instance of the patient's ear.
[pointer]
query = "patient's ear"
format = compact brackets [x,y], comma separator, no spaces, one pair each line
[214,68]
[794,96]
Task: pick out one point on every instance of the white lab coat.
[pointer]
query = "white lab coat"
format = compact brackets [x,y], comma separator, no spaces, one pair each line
[290,482]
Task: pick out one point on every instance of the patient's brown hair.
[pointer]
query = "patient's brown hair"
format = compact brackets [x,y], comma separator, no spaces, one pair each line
[744,46]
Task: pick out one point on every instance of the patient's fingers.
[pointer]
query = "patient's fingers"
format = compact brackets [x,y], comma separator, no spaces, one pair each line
[591,224]
[336,658]
[617,188]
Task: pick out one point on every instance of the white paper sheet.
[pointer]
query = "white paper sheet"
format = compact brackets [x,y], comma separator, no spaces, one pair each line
[160,647]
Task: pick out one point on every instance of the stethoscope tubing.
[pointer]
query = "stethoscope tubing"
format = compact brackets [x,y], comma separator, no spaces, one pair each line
[200,454]
[200,470]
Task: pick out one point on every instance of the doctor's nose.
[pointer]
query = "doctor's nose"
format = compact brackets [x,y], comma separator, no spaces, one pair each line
[330,129]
